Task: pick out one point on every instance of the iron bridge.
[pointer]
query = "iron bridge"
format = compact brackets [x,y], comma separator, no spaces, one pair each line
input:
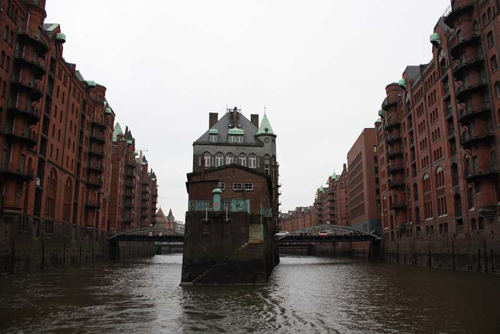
[148,234]
[332,233]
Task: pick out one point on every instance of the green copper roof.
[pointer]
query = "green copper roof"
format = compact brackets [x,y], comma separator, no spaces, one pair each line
[435,39]
[236,131]
[129,142]
[265,127]
[91,83]
[60,37]
[334,176]
[402,83]
[117,132]
[381,113]
[213,131]
[136,153]
[108,111]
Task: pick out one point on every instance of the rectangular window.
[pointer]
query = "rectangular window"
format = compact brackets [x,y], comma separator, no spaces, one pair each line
[213,138]
[249,186]
[222,185]
[219,160]
[235,139]
[237,186]
[252,162]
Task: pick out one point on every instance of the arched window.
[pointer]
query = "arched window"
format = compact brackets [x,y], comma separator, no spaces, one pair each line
[229,158]
[2,60]
[415,192]
[454,175]
[470,195]
[50,204]
[497,89]
[252,161]
[427,183]
[67,201]
[491,39]
[494,63]
[439,177]
[219,159]
[242,159]
[207,158]
[6,33]
[489,14]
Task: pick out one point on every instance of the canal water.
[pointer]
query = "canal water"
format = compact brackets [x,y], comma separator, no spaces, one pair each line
[305,295]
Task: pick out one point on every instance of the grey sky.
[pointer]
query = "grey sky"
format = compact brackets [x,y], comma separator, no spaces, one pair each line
[319,66]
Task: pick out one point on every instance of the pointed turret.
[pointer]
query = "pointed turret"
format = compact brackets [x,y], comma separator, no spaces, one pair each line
[117,132]
[265,128]
[170,217]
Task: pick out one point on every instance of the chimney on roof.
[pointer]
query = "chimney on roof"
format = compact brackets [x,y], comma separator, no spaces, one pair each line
[213,118]
[255,119]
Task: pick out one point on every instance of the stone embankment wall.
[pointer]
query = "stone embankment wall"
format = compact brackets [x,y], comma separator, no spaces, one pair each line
[27,245]
[218,251]
[478,252]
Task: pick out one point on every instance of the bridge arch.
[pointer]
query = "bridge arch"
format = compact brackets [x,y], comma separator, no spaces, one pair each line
[329,233]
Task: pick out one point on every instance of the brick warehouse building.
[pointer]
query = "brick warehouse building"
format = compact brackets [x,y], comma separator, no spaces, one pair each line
[56,141]
[364,201]
[438,147]
[299,218]
[233,203]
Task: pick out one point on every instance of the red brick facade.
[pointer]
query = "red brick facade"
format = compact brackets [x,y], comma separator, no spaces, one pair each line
[56,131]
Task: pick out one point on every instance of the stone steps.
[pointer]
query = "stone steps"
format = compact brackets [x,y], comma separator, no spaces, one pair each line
[254,235]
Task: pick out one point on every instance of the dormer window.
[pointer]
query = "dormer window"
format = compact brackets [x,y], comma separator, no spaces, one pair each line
[236,135]
[235,139]
[213,135]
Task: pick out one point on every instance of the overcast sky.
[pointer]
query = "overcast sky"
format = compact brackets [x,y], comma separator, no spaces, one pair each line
[320,67]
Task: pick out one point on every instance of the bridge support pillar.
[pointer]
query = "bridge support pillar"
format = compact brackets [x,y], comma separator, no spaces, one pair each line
[114,251]
[376,251]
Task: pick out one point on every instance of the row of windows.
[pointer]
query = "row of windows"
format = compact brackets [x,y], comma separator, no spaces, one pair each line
[238,186]
[219,160]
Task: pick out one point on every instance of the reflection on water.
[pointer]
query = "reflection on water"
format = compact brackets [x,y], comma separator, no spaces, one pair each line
[306,294]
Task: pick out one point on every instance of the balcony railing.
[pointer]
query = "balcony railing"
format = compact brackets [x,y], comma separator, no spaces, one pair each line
[466,115]
[469,139]
[394,168]
[36,65]
[29,114]
[397,183]
[9,170]
[37,39]
[477,86]
[397,205]
[27,137]
[479,173]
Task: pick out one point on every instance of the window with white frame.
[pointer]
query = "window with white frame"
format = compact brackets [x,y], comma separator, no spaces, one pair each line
[252,161]
[222,185]
[214,138]
[207,158]
[235,139]
[237,186]
[219,160]
[229,158]
[242,160]
[249,186]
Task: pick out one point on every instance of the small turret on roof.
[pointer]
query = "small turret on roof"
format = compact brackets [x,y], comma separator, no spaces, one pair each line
[117,132]
[265,127]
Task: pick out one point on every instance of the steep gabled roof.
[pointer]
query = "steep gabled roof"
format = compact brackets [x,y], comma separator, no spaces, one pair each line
[222,127]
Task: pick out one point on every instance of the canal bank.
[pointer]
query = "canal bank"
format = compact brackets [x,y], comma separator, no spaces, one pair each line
[30,245]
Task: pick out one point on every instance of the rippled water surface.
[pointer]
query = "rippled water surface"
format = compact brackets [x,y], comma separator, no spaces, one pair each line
[305,295]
